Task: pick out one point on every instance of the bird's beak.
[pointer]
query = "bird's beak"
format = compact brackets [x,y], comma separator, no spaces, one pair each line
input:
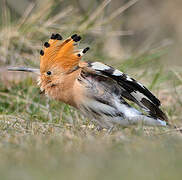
[25,69]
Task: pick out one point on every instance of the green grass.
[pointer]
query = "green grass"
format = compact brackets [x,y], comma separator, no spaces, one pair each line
[44,139]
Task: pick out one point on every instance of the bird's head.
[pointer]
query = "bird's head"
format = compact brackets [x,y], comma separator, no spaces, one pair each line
[58,59]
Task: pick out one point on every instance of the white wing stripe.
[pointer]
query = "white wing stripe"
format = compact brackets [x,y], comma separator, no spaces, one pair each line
[100,66]
[140,84]
[128,78]
[117,73]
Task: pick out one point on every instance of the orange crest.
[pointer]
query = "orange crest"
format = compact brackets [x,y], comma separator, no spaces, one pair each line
[61,53]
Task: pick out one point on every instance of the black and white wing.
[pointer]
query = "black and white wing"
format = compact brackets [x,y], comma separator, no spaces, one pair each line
[131,89]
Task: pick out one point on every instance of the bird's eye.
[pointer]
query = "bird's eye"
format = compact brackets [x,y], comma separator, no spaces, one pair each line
[49,73]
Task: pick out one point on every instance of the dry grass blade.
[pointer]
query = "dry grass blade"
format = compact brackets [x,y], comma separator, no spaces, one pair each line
[26,15]
[177,75]
[94,15]
[5,16]
[112,33]
[41,11]
[59,16]
[118,12]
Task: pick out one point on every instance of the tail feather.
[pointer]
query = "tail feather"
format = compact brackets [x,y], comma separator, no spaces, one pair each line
[158,113]
[154,110]
[162,115]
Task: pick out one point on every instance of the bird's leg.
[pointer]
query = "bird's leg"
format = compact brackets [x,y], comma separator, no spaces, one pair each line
[99,128]
[49,114]
[109,131]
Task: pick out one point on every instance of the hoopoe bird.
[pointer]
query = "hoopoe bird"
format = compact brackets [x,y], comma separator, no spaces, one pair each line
[96,89]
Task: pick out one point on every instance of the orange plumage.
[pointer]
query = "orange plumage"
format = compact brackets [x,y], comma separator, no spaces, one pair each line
[60,54]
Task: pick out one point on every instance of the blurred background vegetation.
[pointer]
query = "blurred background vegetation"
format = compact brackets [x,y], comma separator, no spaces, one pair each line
[44,139]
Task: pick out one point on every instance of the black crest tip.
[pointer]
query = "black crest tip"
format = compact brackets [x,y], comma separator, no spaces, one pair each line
[86,49]
[46,44]
[76,38]
[58,37]
[53,36]
[73,36]
[41,52]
